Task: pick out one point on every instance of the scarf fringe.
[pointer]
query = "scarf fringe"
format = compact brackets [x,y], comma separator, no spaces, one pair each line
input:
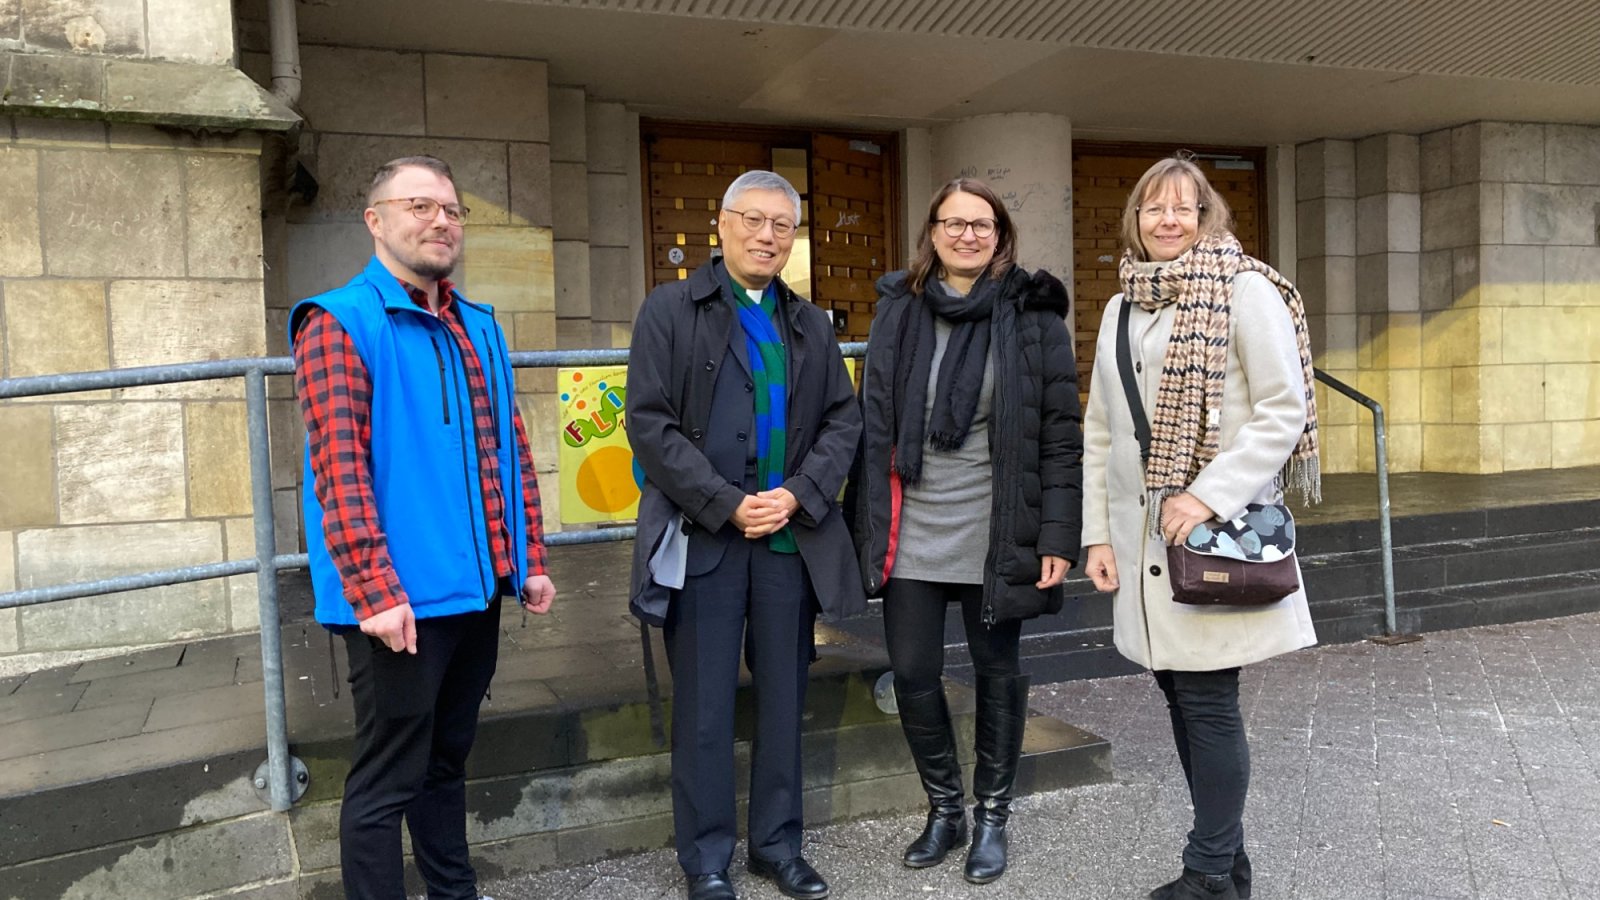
[1303,476]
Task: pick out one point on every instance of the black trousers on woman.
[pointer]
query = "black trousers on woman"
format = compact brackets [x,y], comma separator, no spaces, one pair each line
[1208,729]
[913,627]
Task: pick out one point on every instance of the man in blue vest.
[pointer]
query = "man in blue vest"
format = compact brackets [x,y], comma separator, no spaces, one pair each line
[743,418]
[421,512]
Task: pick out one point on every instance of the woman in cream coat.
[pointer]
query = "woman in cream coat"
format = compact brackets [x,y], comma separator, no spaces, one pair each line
[1214,452]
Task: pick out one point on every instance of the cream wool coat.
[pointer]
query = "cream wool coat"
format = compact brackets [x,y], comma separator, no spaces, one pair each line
[1263,413]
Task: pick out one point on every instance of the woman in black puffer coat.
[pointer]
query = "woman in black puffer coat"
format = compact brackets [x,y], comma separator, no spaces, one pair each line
[968,490]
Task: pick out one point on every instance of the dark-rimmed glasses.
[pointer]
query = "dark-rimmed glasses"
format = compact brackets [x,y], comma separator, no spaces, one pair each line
[425,208]
[781,228]
[954,227]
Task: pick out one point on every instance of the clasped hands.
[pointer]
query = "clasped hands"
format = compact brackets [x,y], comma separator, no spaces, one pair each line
[764,513]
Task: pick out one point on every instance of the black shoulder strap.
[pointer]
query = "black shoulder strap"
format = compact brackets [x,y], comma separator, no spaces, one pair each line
[1130,387]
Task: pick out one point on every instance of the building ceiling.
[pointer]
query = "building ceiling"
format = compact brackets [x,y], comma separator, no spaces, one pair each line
[1223,71]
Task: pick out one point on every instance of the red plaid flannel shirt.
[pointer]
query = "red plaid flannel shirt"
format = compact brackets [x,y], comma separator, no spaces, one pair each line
[335,393]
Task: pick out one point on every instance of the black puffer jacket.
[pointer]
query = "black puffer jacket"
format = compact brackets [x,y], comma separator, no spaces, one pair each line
[1036,443]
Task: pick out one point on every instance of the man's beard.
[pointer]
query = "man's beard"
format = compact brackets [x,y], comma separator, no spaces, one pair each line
[434,271]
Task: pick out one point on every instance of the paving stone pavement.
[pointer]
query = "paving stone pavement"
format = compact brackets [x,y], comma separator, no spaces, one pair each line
[1463,766]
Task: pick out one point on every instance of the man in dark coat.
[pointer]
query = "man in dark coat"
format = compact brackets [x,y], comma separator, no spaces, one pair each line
[742,416]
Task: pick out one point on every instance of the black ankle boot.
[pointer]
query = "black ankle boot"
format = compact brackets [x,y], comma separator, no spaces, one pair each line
[1192,885]
[1002,717]
[1242,874]
[925,719]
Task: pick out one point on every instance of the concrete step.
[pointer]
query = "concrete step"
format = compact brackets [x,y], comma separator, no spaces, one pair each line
[551,784]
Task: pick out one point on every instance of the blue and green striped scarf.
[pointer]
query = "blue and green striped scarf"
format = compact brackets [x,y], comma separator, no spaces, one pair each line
[769,371]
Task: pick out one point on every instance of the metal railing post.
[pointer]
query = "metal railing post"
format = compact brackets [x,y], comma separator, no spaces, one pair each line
[277,774]
[1380,442]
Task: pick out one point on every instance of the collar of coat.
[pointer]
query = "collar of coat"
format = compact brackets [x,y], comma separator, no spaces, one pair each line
[1043,291]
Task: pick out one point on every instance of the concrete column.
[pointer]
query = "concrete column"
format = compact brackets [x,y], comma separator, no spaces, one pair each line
[569,202]
[917,183]
[616,217]
[1027,159]
[1325,225]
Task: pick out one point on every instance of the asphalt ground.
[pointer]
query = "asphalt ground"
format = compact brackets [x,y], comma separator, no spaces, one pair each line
[1463,766]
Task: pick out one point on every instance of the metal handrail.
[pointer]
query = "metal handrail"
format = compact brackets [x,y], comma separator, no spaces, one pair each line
[1380,440]
[282,776]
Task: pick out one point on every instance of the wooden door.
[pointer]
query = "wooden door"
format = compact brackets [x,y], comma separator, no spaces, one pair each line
[685,181]
[1102,177]
[852,233]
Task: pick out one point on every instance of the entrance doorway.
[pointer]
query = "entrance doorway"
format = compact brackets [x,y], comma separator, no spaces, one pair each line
[1103,174]
[848,238]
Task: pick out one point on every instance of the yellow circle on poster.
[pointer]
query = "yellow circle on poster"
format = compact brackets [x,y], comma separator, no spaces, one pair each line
[605,480]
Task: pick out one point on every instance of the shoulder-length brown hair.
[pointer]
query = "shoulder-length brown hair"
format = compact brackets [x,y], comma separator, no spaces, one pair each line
[1215,216]
[926,265]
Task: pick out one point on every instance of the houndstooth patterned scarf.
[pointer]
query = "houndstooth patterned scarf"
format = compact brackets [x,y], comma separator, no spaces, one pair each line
[1183,436]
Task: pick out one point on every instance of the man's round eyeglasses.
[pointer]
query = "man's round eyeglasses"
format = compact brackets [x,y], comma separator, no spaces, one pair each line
[1181,213]
[781,228]
[425,208]
[954,227]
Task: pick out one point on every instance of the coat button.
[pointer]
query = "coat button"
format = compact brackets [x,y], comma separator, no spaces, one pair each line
[738,483]
[1155,570]
[697,434]
[710,365]
[1138,367]
[742,435]
[749,388]
[1141,499]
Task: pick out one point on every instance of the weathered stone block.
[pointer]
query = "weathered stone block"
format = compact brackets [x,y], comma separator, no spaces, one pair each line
[239,542]
[1572,154]
[530,184]
[323,257]
[1342,345]
[1387,162]
[1451,337]
[1434,160]
[1572,276]
[345,163]
[1510,275]
[1551,214]
[1572,391]
[1404,448]
[511,268]
[1491,212]
[569,200]
[1405,396]
[27,480]
[1325,168]
[1464,158]
[1527,446]
[362,91]
[1511,151]
[535,331]
[1467,449]
[112,213]
[1387,282]
[612,219]
[568,125]
[61,82]
[113,27]
[572,279]
[224,207]
[1512,394]
[159,322]
[541,414]
[10,20]
[64,555]
[1450,217]
[8,562]
[1389,223]
[203,860]
[1436,280]
[467,96]
[610,288]
[10,632]
[1339,448]
[120,461]
[218,460]
[1400,342]
[56,326]
[1328,284]
[1575,444]
[1436,396]
[219,97]
[195,31]
[609,131]
[1551,334]
[1466,400]
[19,213]
[1464,275]
[74,134]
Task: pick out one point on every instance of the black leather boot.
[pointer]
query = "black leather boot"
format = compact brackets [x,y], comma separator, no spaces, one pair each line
[1241,874]
[1192,885]
[1002,716]
[925,719]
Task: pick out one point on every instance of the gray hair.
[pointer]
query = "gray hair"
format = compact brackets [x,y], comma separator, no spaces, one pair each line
[761,180]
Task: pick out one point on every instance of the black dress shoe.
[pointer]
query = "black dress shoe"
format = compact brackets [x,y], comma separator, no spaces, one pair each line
[715,886]
[794,877]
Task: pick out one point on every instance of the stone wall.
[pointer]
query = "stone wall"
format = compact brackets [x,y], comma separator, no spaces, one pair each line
[125,246]
[188,31]
[1455,277]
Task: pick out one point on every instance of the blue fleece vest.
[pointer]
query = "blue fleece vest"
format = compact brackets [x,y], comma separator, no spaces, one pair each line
[423,458]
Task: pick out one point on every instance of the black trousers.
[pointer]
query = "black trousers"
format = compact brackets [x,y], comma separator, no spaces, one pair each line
[913,628]
[759,603]
[1208,729]
[416,717]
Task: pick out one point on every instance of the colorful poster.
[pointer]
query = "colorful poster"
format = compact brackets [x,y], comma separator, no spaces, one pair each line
[599,480]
